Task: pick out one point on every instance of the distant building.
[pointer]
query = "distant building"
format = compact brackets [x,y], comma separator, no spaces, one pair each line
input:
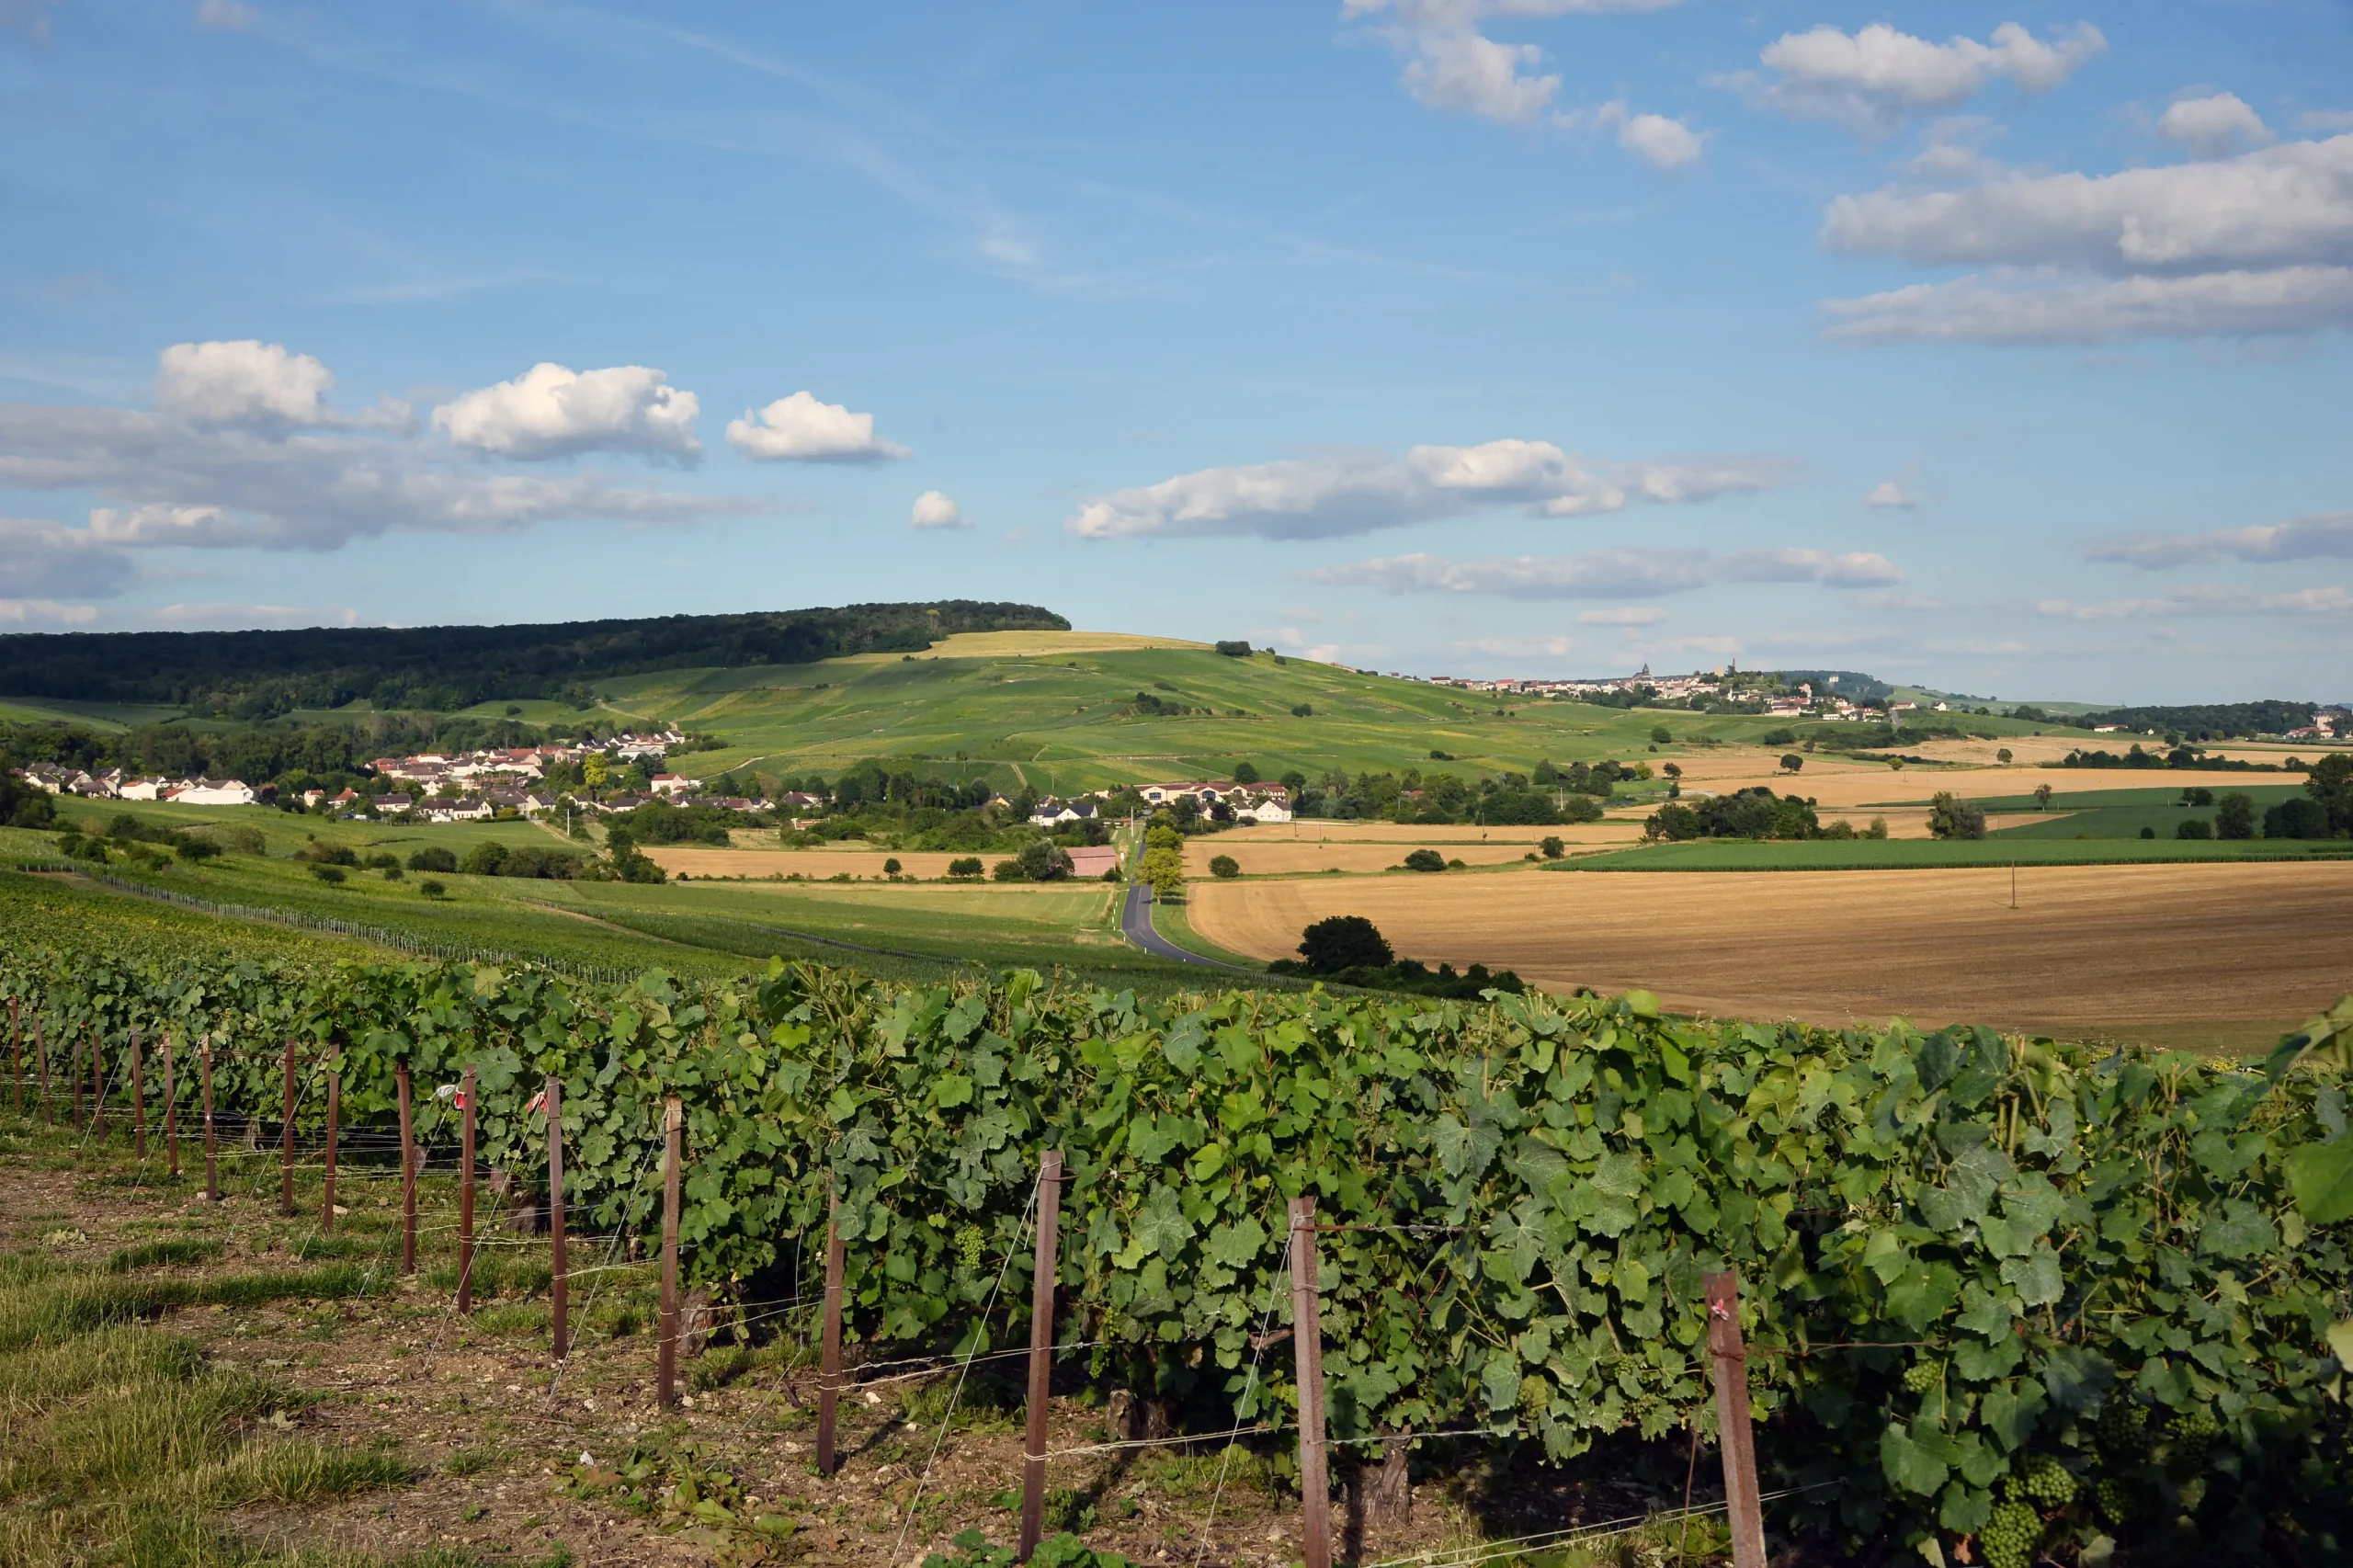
[1088,863]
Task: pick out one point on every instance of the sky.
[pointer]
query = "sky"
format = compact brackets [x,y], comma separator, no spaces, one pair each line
[2000,349]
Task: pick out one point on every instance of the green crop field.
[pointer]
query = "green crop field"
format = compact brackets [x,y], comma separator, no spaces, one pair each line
[1909,853]
[2122,814]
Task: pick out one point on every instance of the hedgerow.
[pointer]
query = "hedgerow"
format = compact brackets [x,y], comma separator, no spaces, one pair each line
[2003,1290]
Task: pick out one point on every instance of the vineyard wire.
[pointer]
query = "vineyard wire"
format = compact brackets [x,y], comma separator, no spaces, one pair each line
[1258,1343]
[1515,1546]
[629,1195]
[980,1328]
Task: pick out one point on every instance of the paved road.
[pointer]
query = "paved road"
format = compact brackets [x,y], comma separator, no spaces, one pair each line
[1135,923]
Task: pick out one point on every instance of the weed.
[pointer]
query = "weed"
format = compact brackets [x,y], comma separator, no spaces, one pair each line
[469,1462]
[163,1254]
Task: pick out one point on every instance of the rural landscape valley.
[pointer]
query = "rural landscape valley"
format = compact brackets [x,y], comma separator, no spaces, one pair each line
[1383,784]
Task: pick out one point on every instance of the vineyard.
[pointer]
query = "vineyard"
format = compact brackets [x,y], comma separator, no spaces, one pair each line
[2001,1296]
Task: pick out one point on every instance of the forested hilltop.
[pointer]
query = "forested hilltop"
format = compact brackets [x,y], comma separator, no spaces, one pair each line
[259,674]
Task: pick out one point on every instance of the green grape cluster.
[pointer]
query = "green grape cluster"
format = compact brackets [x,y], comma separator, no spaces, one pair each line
[2193,1434]
[969,1242]
[2116,1501]
[2010,1537]
[2049,1483]
[2122,1430]
[1922,1376]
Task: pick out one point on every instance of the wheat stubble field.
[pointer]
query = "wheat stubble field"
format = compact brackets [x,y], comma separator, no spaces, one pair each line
[2216,955]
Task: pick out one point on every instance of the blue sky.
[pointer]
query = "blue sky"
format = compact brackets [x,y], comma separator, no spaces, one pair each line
[2000,348]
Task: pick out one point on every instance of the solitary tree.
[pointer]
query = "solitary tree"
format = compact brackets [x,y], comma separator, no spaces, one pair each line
[1952,817]
[2235,816]
[1165,870]
[1660,735]
[1553,847]
[1792,762]
[1224,865]
[1343,942]
[2002,755]
[1245,773]
[2042,797]
[1425,860]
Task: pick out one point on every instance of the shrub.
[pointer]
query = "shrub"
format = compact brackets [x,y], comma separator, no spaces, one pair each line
[435,858]
[1778,738]
[1234,649]
[1553,847]
[1304,711]
[196,849]
[890,867]
[432,888]
[394,873]
[484,859]
[2148,832]
[2193,827]
[1343,942]
[1952,817]
[327,873]
[1245,773]
[2296,817]
[2235,816]
[970,866]
[1007,871]
[320,854]
[1044,862]
[1425,860]
[379,861]
[1224,865]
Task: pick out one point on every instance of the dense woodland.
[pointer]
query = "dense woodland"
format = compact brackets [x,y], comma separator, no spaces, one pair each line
[259,674]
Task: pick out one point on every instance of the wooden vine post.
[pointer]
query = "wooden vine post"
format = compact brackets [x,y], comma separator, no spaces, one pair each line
[408,1176]
[16,1059]
[335,1115]
[211,1164]
[286,1138]
[466,1193]
[1743,1507]
[665,1377]
[558,1305]
[171,1111]
[1307,1350]
[829,1363]
[98,1089]
[73,1070]
[40,1050]
[138,1101]
[1042,1349]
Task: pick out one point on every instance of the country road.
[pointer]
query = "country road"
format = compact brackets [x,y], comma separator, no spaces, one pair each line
[1135,923]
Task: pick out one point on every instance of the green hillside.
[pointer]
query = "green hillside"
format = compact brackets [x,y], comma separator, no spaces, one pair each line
[1067,721]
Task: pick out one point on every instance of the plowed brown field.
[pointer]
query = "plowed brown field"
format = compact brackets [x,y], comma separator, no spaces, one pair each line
[2089,950]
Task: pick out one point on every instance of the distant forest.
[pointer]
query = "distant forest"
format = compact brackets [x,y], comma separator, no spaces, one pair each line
[261,675]
[2213,721]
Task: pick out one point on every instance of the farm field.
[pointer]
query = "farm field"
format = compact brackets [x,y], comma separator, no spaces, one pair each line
[1996,849]
[2240,951]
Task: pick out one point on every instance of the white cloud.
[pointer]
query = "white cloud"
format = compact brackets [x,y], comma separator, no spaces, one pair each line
[161,479]
[2256,243]
[2323,534]
[1662,143]
[1891,493]
[1453,66]
[801,429]
[21,612]
[2205,600]
[551,410]
[1873,78]
[221,617]
[1628,618]
[2214,127]
[1953,153]
[1357,493]
[225,15]
[935,510]
[2008,308]
[1621,573]
[2326,119]
[1659,141]
[244,382]
[41,558]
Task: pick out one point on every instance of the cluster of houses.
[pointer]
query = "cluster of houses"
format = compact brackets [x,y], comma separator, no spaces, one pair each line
[1248,802]
[114,784]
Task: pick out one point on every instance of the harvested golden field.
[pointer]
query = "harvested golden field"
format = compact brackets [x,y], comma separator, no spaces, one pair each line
[2090,950]
[818,864]
[1403,835]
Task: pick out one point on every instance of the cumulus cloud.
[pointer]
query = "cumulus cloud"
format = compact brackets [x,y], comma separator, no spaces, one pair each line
[551,410]
[2205,600]
[1619,573]
[244,382]
[935,510]
[225,15]
[1452,64]
[2326,534]
[41,559]
[801,429]
[1358,492]
[2214,127]
[1631,617]
[1659,141]
[225,464]
[2326,119]
[2259,243]
[1874,78]
[1891,493]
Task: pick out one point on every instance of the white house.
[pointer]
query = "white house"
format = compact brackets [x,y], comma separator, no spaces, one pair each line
[1051,812]
[467,810]
[673,784]
[1273,806]
[140,788]
[217,792]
